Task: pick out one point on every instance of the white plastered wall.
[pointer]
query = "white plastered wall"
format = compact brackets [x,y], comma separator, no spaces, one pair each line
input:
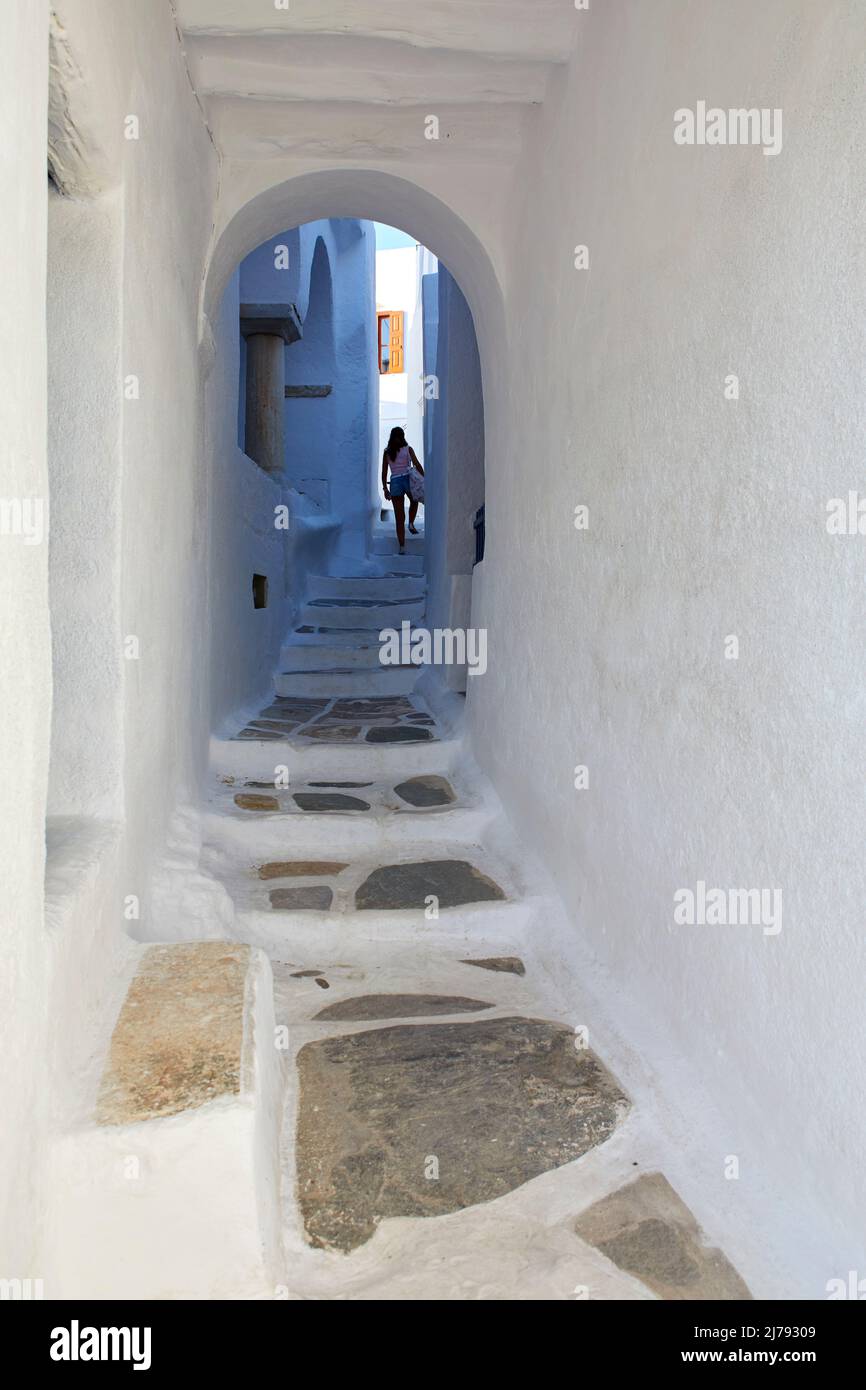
[455,471]
[85,238]
[139,548]
[707,519]
[25,668]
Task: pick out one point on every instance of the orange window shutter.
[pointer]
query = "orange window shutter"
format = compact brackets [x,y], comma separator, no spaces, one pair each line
[396,364]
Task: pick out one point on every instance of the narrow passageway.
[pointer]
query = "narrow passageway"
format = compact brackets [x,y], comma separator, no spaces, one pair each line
[475,918]
[432,1070]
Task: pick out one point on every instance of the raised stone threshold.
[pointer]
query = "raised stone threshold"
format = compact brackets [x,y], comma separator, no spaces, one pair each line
[422,793]
[171,1189]
[179,1040]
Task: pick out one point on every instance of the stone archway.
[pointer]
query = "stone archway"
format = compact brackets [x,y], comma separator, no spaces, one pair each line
[377,196]
[473,281]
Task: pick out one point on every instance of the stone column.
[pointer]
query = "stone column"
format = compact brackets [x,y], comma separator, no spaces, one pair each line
[267,328]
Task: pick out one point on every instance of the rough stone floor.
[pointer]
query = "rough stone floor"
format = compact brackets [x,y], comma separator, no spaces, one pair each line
[370,719]
[444,1137]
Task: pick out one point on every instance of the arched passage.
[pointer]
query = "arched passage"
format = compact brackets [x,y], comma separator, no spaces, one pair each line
[377,196]
[371,195]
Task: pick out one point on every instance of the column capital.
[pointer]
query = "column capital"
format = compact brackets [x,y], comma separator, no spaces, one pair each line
[277,320]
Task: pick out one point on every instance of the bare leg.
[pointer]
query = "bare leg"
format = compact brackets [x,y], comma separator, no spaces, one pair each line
[413,512]
[400,520]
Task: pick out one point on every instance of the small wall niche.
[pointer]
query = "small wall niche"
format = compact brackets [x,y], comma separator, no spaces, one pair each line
[260,591]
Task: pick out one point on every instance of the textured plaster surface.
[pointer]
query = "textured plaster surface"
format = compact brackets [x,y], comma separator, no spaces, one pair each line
[707,519]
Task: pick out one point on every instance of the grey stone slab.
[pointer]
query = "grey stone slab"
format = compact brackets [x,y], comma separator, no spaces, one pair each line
[340,784]
[646,1229]
[369,707]
[328,721]
[311,898]
[275,712]
[376,1006]
[401,734]
[333,733]
[340,602]
[300,707]
[365,630]
[511,965]
[330,801]
[428,790]
[424,1119]
[451,881]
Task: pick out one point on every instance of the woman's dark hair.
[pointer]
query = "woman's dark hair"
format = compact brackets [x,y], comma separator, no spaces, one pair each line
[396,442]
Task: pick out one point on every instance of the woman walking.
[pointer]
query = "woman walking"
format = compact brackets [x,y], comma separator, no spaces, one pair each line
[401,458]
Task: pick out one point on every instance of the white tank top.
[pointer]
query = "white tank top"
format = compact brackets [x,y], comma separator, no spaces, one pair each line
[401,464]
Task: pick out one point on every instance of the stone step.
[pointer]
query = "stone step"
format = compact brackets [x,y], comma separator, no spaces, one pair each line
[349,680]
[373,614]
[172,1188]
[403,564]
[321,654]
[284,889]
[385,543]
[405,586]
[279,924]
[253,759]
[240,837]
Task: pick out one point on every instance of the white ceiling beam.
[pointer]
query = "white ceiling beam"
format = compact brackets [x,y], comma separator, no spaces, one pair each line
[317,67]
[343,131]
[538,30]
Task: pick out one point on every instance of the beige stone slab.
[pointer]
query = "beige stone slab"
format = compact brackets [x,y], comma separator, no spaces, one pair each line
[301,868]
[646,1229]
[178,1041]
[251,801]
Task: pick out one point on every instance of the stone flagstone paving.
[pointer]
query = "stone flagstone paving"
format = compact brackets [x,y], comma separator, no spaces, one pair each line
[452,882]
[647,1230]
[399,1112]
[365,719]
[379,1006]
[494,1102]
